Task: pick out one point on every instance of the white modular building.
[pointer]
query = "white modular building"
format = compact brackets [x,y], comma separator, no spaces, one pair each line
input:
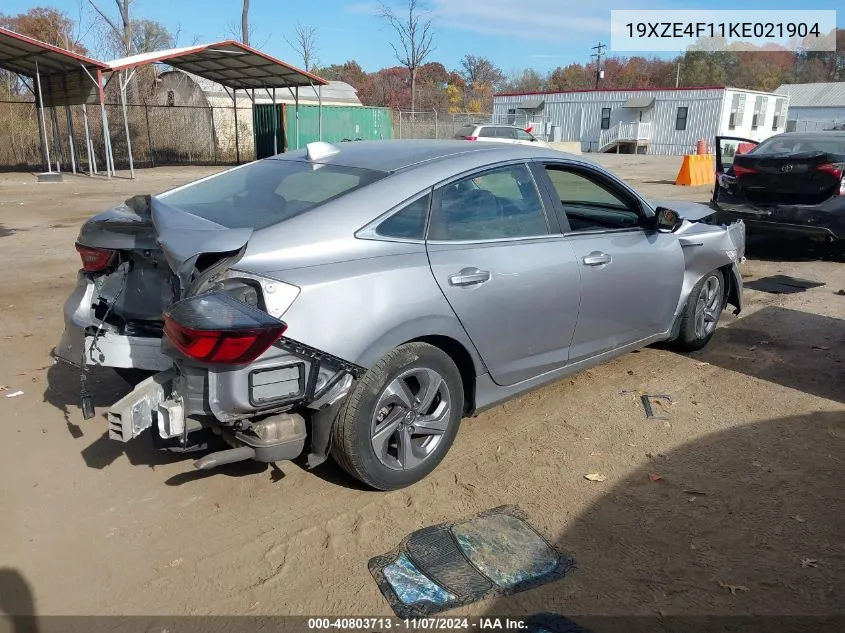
[668,121]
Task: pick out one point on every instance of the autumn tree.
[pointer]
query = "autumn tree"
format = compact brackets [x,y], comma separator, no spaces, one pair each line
[478,70]
[48,25]
[349,72]
[414,31]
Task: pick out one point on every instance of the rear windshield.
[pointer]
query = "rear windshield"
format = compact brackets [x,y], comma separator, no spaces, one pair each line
[267,192]
[465,131]
[793,145]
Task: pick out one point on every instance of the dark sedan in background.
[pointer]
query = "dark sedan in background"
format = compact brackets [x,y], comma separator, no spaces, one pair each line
[790,184]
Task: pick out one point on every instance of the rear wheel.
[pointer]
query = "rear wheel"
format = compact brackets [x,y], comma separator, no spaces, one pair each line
[401,418]
[702,312]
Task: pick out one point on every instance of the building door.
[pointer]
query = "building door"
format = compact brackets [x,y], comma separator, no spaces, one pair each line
[269,130]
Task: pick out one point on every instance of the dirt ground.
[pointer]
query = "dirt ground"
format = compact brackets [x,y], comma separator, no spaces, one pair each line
[757,431]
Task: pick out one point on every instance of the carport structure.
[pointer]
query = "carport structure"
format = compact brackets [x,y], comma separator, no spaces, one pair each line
[231,64]
[58,77]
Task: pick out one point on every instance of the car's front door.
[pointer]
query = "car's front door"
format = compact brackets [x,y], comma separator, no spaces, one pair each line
[631,274]
[512,282]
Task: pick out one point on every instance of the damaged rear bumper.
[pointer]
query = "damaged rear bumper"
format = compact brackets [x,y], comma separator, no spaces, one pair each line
[294,383]
[110,349]
[825,221]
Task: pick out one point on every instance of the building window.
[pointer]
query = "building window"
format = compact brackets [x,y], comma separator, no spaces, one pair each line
[511,116]
[605,118]
[759,112]
[737,110]
[171,98]
[681,118]
[779,103]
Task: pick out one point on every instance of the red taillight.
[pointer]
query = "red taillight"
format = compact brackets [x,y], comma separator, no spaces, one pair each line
[838,171]
[739,170]
[215,328]
[470,138]
[94,259]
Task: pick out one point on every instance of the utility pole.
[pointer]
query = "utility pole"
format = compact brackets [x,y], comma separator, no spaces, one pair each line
[678,76]
[599,48]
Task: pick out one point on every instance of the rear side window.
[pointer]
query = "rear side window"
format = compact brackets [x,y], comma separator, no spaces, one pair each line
[795,144]
[409,222]
[465,132]
[487,132]
[267,192]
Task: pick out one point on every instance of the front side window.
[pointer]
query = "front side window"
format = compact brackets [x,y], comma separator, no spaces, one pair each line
[605,118]
[497,204]
[267,192]
[506,132]
[590,204]
[522,135]
[409,222]
[487,132]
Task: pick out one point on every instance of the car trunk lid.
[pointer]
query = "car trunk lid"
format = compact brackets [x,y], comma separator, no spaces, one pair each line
[787,178]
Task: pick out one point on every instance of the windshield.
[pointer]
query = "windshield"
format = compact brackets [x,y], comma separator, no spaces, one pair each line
[794,145]
[267,192]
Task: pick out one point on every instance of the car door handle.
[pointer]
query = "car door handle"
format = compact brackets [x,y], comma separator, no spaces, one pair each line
[469,277]
[597,258]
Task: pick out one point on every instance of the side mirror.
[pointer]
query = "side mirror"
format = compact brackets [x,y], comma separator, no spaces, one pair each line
[668,220]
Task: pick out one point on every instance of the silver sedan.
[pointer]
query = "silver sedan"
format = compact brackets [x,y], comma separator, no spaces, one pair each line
[360,299]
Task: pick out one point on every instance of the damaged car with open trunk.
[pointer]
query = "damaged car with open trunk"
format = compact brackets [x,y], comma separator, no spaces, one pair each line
[359,300]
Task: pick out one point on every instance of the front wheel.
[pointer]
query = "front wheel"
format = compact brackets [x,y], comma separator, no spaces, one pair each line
[401,417]
[701,313]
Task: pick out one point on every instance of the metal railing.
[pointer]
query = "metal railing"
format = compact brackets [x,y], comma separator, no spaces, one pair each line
[629,131]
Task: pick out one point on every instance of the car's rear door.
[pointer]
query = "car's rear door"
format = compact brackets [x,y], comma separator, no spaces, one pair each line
[631,275]
[510,278]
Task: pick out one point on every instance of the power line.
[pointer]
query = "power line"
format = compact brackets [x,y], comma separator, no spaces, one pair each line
[599,48]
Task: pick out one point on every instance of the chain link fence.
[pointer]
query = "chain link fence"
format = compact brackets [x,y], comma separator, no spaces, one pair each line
[159,135]
[433,125]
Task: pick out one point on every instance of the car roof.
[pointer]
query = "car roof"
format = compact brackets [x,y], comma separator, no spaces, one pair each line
[395,155]
[816,136]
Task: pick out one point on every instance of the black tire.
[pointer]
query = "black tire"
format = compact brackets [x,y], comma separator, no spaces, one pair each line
[351,443]
[688,339]
[131,375]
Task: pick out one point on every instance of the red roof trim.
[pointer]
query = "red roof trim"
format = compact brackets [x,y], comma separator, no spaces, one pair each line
[53,49]
[197,49]
[560,92]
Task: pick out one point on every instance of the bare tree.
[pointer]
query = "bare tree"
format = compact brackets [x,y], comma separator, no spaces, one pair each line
[123,32]
[415,33]
[305,43]
[245,23]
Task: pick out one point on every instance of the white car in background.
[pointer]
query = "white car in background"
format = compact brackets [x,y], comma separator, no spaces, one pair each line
[498,134]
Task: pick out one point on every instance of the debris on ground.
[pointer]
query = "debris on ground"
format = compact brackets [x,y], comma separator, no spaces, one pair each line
[702,364]
[732,588]
[809,562]
[695,492]
[595,477]
[15,394]
[176,562]
[823,348]
[647,399]
[799,518]
[840,292]
[655,477]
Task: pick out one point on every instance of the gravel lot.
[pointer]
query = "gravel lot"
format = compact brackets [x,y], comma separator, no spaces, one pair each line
[758,425]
